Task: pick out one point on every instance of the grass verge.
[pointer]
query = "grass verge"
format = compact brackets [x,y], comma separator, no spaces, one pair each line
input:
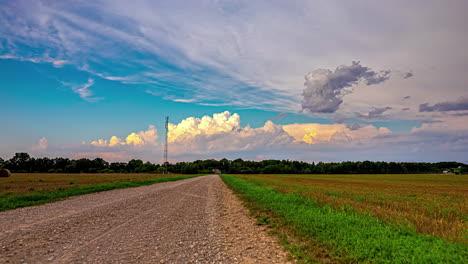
[352,237]
[24,200]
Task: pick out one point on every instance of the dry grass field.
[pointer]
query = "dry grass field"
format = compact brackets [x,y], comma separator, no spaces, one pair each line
[430,204]
[27,183]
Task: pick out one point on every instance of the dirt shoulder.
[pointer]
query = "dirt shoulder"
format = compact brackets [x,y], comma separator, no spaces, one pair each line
[196,220]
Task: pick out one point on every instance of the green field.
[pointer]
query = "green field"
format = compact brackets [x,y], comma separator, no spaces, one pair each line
[27,189]
[363,218]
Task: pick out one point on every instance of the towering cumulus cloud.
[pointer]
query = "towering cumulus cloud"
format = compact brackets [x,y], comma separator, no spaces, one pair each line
[192,126]
[223,132]
[324,88]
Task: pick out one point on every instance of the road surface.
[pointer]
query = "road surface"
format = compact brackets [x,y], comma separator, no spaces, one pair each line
[196,220]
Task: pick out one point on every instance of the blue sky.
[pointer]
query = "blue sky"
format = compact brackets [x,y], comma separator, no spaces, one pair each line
[306,80]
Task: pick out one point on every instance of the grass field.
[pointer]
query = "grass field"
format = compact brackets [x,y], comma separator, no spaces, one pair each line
[28,189]
[368,218]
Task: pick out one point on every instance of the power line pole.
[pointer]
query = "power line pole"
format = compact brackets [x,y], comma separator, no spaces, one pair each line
[165,146]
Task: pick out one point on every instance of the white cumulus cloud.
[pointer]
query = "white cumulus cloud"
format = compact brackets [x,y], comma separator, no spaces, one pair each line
[42,144]
[148,137]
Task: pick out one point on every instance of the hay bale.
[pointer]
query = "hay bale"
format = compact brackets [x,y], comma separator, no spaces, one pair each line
[5,173]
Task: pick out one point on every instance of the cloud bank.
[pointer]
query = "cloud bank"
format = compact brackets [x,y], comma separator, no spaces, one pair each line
[222,135]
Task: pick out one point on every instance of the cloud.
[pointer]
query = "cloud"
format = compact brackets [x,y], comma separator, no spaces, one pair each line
[333,134]
[458,105]
[374,113]
[99,143]
[115,141]
[269,137]
[140,139]
[84,92]
[220,52]
[354,126]
[340,119]
[43,59]
[184,100]
[192,126]
[59,63]
[221,135]
[42,144]
[324,89]
[407,75]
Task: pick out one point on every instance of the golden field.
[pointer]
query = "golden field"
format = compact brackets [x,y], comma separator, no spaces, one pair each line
[427,203]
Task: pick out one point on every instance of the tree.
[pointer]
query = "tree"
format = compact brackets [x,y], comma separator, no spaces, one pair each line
[20,162]
[133,164]
[60,164]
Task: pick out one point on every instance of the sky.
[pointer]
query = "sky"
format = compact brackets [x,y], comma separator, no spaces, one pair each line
[312,80]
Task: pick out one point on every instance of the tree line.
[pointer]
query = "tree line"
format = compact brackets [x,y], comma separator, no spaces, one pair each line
[23,162]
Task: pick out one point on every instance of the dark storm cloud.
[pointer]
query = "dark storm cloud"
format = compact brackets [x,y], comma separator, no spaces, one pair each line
[374,113]
[459,105]
[324,88]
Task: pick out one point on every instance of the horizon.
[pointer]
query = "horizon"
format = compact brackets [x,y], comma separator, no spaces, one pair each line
[234,159]
[309,81]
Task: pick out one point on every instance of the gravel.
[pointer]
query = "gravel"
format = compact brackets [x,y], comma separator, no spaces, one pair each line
[196,220]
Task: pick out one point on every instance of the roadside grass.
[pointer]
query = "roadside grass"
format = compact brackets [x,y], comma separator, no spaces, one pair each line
[37,198]
[349,236]
[425,203]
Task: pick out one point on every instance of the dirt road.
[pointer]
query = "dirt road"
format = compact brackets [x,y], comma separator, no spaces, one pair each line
[197,220]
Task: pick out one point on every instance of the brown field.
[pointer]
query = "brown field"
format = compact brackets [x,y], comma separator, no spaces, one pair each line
[431,204]
[24,183]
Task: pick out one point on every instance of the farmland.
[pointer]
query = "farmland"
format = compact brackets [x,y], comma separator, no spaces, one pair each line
[25,189]
[425,206]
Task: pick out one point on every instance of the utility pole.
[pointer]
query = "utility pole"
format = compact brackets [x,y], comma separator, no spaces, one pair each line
[165,146]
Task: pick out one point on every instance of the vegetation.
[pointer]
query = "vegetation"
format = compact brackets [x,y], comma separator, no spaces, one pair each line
[22,162]
[431,204]
[348,234]
[26,189]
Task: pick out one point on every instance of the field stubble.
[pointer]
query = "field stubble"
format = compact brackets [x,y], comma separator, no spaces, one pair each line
[328,230]
[27,183]
[23,190]
[425,203]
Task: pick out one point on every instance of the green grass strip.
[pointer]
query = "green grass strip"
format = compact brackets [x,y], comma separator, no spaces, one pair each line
[353,237]
[24,200]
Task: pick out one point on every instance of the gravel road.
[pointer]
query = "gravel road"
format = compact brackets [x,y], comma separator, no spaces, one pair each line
[197,220]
